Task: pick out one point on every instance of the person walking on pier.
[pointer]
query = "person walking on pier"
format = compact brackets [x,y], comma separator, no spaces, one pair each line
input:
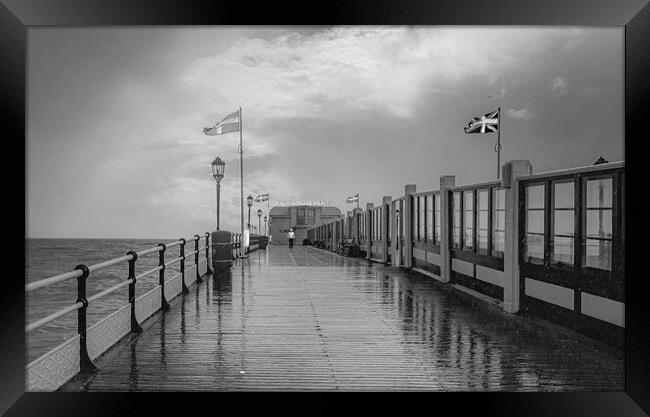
[291,235]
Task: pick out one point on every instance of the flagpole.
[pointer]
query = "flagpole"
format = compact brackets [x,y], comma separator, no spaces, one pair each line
[499,144]
[241,172]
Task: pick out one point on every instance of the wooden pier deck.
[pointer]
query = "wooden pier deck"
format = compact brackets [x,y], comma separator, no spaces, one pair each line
[305,319]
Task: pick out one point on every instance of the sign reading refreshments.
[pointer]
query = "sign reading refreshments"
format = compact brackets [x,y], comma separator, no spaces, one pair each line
[319,203]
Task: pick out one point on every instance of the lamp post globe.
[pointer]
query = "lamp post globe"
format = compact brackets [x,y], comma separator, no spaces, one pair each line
[249,203]
[218,168]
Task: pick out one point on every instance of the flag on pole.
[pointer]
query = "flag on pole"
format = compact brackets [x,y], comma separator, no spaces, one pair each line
[228,124]
[262,197]
[484,124]
[353,198]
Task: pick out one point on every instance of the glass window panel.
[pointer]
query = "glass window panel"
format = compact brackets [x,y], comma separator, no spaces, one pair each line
[456,219]
[498,243]
[429,226]
[535,221]
[564,195]
[599,223]
[535,246]
[469,219]
[456,201]
[468,223]
[563,222]
[469,200]
[422,219]
[499,199]
[467,238]
[437,217]
[456,237]
[483,220]
[414,218]
[535,196]
[483,239]
[599,193]
[500,220]
[376,218]
[597,254]
[482,202]
[563,249]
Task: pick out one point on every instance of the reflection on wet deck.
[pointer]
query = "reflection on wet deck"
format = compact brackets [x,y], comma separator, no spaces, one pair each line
[306,319]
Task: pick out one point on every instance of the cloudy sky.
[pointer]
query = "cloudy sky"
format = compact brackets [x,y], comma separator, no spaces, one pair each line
[115,115]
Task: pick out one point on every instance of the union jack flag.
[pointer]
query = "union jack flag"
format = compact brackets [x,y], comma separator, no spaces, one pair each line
[352,199]
[484,124]
[228,124]
[262,197]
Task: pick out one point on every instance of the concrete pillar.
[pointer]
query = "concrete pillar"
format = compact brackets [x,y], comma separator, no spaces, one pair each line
[368,226]
[318,214]
[385,224]
[333,228]
[348,220]
[446,182]
[355,222]
[407,250]
[511,282]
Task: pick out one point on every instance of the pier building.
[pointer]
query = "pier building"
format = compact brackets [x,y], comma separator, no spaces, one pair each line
[300,218]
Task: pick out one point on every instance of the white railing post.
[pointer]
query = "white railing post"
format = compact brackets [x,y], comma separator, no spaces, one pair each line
[511,281]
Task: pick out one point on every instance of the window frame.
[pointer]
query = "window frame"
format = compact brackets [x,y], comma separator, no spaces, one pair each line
[550,203]
[487,251]
[456,245]
[493,230]
[472,193]
[545,216]
[617,220]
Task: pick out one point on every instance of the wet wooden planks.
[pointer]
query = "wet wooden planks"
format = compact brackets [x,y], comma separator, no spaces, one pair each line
[305,319]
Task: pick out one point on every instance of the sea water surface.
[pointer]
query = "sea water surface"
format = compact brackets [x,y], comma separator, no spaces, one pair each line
[48,257]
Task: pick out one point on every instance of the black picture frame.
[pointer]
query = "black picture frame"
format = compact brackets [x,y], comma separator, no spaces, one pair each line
[16,16]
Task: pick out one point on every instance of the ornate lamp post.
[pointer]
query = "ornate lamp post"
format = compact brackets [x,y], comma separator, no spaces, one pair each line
[249,203]
[265,231]
[259,221]
[218,167]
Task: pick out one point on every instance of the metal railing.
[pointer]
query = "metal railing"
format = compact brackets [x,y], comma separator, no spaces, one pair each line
[82,273]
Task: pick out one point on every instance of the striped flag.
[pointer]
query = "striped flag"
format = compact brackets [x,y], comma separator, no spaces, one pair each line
[484,124]
[262,197]
[228,124]
[353,198]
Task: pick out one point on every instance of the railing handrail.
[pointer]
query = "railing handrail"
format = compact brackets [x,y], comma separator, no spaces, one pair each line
[485,184]
[576,170]
[421,193]
[78,273]
[46,282]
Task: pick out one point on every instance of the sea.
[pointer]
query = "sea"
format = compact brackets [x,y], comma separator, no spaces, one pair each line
[48,257]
